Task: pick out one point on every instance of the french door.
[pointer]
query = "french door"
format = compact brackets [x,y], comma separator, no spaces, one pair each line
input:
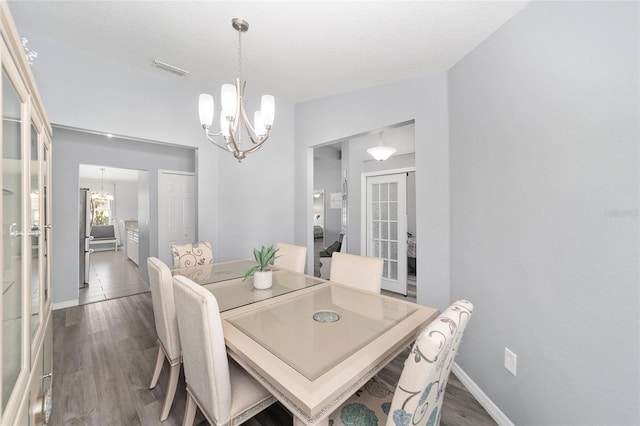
[386,227]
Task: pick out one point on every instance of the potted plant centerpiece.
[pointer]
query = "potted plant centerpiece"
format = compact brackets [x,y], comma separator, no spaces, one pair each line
[262,276]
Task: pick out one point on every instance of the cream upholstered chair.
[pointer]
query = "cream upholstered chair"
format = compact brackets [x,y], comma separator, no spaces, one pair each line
[291,257]
[192,254]
[418,396]
[361,272]
[225,393]
[164,311]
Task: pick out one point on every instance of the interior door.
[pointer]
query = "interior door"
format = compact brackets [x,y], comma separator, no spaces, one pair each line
[176,211]
[386,236]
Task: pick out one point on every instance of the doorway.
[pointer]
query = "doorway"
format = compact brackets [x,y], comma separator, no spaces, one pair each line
[112,270]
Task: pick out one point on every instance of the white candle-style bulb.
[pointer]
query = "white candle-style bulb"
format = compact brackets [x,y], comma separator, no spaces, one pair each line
[268,108]
[258,124]
[229,100]
[205,109]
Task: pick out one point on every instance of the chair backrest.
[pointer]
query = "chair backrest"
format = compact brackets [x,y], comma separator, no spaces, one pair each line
[164,308]
[420,390]
[357,271]
[291,257]
[206,367]
[192,254]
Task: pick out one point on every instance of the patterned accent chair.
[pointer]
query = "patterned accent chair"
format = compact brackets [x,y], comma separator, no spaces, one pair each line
[224,392]
[361,272]
[192,254]
[164,312]
[291,257]
[418,396]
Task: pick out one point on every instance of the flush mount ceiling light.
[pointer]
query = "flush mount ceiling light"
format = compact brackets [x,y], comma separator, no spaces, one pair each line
[380,152]
[102,195]
[233,115]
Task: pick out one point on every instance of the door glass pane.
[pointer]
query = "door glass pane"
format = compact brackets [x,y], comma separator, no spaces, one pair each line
[385,232]
[376,229]
[393,191]
[393,270]
[12,242]
[375,192]
[393,211]
[393,251]
[393,231]
[385,269]
[384,211]
[376,248]
[384,192]
[34,200]
[375,211]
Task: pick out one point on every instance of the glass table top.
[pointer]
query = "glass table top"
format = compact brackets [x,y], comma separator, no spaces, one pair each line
[316,330]
[216,272]
[232,294]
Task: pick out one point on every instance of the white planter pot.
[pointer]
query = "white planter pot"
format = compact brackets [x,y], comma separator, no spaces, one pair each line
[262,280]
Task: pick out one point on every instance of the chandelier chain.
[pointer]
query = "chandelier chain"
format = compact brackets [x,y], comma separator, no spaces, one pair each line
[240,55]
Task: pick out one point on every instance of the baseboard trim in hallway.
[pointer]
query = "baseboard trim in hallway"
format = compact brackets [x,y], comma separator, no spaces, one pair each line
[496,414]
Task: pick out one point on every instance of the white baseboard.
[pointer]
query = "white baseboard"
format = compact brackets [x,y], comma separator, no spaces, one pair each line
[482,397]
[65,304]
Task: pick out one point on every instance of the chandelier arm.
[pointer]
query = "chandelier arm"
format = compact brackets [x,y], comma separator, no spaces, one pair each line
[247,125]
[213,141]
[255,147]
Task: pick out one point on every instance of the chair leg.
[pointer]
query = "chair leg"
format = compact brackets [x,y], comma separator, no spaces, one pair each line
[171,391]
[156,373]
[189,411]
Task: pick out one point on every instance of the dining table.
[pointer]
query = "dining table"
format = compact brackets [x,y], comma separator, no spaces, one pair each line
[311,342]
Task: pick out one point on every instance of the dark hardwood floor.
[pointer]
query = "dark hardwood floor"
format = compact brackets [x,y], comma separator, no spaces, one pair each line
[104,355]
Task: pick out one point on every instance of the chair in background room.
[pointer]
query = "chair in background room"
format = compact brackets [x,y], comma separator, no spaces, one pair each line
[325,255]
[192,254]
[418,396]
[225,393]
[291,257]
[164,311]
[361,272]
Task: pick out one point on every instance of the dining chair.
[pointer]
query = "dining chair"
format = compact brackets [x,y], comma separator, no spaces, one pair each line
[192,254]
[418,395]
[223,391]
[164,312]
[361,272]
[291,257]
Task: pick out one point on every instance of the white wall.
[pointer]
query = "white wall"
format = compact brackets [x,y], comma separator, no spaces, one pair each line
[339,117]
[544,165]
[256,198]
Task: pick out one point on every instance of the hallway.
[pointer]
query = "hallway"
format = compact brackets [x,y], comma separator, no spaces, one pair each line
[112,275]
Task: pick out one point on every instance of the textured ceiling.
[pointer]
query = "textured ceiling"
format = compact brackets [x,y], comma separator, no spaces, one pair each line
[296,51]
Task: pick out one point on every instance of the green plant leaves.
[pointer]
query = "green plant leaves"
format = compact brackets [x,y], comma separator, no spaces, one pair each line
[264,257]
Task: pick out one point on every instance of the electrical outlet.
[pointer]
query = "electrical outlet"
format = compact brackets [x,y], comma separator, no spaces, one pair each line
[510,361]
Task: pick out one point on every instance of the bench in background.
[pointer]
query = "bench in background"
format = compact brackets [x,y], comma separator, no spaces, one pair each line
[103,234]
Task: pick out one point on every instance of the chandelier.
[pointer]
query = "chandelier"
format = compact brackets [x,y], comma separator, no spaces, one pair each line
[380,152]
[233,116]
[102,195]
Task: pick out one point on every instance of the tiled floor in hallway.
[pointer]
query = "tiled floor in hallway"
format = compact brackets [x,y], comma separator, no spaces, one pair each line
[111,275]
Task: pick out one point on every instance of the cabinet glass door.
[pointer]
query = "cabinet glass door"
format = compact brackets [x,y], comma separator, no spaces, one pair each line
[46,220]
[34,232]
[12,241]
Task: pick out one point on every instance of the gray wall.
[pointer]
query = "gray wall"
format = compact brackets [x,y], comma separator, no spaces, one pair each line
[544,195]
[338,117]
[74,148]
[327,174]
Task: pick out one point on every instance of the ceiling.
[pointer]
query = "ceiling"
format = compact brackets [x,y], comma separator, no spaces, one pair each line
[295,50]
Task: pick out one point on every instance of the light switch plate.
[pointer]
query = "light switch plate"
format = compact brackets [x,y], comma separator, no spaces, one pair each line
[510,361]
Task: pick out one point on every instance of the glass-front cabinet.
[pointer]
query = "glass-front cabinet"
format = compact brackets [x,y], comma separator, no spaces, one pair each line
[26,341]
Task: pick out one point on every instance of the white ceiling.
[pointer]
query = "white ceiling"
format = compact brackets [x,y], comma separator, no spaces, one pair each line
[295,50]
